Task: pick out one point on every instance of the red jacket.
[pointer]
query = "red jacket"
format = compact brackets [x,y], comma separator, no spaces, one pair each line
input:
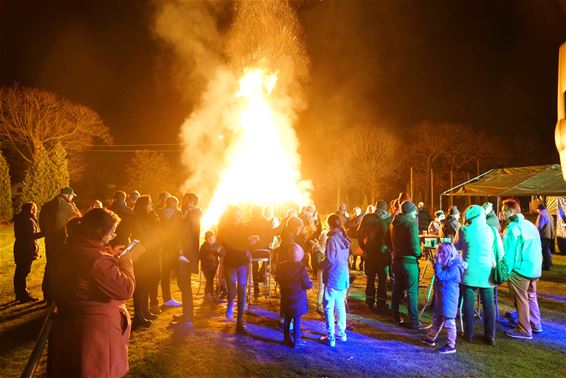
[91,331]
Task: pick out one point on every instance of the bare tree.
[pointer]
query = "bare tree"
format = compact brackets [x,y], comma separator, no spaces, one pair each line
[375,158]
[32,118]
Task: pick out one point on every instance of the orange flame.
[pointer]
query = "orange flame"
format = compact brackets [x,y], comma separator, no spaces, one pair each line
[263,165]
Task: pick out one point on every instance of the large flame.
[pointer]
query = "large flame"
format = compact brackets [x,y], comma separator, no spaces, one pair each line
[262,164]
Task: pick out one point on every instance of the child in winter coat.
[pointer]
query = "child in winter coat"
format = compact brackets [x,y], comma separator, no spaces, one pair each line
[336,278]
[448,269]
[294,282]
[209,254]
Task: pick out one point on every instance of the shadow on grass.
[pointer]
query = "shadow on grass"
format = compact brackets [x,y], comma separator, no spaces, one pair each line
[21,334]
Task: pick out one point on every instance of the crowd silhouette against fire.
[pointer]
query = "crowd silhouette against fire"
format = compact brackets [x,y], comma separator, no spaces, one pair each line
[93,268]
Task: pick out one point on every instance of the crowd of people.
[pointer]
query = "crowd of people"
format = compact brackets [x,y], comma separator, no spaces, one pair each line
[89,275]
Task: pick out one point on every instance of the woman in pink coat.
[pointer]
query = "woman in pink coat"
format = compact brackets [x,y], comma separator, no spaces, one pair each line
[91,330]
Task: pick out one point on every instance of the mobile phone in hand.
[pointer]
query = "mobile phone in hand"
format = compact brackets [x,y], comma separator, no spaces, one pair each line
[129,248]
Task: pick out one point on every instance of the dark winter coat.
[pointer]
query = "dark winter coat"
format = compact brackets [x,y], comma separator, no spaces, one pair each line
[294,282]
[493,221]
[190,236]
[234,240]
[262,228]
[371,236]
[145,229]
[54,216]
[124,229]
[209,254]
[26,232]
[403,239]
[447,287]
[545,225]
[352,226]
[450,227]
[424,219]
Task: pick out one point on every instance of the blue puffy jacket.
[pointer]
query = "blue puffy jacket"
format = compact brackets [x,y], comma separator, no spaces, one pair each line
[447,287]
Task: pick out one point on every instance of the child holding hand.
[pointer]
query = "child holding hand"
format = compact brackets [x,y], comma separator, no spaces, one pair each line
[448,269]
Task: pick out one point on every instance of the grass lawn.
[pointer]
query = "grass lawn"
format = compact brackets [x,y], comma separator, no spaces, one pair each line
[374,347]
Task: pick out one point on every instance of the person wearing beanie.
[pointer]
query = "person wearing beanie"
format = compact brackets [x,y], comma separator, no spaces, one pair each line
[403,241]
[294,282]
[371,236]
[434,226]
[424,217]
[545,226]
[451,224]
[490,216]
[477,240]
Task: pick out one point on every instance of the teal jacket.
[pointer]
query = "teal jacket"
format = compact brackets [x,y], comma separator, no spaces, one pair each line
[523,251]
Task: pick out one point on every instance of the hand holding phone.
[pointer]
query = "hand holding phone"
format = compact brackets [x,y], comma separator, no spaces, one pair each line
[128,249]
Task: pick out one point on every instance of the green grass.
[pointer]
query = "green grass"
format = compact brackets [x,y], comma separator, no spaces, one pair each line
[375,346]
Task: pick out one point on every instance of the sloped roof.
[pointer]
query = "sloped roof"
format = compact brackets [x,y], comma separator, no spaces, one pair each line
[522,181]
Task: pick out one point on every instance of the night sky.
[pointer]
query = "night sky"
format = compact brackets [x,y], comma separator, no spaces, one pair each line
[490,64]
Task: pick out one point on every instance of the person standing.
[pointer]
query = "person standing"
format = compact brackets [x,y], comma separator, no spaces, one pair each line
[188,260]
[170,222]
[545,226]
[436,223]
[371,236]
[424,217]
[451,224]
[26,249]
[53,218]
[479,243]
[523,258]
[124,230]
[233,236]
[403,240]
[490,217]
[91,330]
[146,268]
[336,278]
[352,229]
[294,282]
[209,254]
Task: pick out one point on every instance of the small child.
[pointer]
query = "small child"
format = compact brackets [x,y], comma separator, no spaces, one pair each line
[294,281]
[209,253]
[448,269]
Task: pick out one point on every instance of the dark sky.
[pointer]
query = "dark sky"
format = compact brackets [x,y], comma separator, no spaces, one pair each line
[491,64]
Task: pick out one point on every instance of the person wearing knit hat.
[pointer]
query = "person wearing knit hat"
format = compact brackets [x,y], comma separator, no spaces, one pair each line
[403,240]
[451,224]
[490,216]
[436,223]
[476,239]
[294,282]
[371,236]
[424,217]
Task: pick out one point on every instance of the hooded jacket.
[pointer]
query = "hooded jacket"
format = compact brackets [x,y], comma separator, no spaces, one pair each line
[447,287]
[335,273]
[523,251]
[450,227]
[371,236]
[477,241]
[403,239]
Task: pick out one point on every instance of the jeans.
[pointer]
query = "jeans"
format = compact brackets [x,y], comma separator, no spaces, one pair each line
[524,293]
[335,300]
[237,280]
[376,270]
[185,285]
[438,323]
[488,304]
[296,328]
[20,276]
[209,272]
[406,278]
[546,245]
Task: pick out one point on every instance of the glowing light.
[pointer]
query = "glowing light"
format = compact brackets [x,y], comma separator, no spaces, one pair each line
[262,165]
